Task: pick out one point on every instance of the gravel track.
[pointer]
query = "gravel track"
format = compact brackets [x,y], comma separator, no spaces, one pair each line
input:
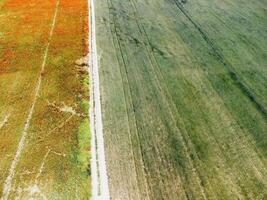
[100,189]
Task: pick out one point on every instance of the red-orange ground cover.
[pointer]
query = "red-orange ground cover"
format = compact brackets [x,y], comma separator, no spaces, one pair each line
[52,145]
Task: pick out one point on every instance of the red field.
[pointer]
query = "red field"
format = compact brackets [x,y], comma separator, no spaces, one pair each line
[44,150]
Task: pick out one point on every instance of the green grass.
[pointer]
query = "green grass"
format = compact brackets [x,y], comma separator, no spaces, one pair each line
[184,98]
[83,150]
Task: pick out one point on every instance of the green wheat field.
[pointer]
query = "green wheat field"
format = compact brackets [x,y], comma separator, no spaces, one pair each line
[184,98]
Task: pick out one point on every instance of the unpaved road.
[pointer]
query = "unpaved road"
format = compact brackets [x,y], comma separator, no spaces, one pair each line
[100,188]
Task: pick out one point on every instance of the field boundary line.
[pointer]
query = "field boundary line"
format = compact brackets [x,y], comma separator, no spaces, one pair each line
[8,182]
[100,187]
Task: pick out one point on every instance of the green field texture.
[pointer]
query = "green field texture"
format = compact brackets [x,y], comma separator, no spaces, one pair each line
[184,98]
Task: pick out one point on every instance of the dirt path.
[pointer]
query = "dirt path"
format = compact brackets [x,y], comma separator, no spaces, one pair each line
[8,182]
[100,189]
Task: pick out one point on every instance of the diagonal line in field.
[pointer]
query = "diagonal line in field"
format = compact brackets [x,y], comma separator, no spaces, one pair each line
[8,182]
